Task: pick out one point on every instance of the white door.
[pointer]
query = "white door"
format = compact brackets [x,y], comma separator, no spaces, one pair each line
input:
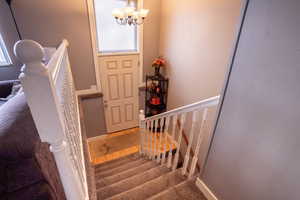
[119,78]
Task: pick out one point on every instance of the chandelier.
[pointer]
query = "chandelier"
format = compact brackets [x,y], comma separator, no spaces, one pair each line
[129,15]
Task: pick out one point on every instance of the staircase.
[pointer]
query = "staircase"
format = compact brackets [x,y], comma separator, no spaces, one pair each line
[136,178]
[156,172]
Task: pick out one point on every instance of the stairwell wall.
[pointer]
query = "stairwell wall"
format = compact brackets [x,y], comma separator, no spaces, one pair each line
[255,150]
[197,39]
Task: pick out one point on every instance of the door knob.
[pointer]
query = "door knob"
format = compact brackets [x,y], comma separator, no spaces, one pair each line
[105,103]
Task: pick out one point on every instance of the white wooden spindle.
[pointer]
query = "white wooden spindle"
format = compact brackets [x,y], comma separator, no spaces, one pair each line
[44,99]
[165,139]
[162,120]
[149,139]
[191,137]
[198,145]
[152,139]
[155,138]
[176,158]
[174,120]
[142,132]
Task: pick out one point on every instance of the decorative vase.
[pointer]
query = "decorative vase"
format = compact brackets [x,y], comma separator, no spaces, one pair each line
[157,69]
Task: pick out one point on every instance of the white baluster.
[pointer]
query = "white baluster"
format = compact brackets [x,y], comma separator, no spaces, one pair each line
[142,131]
[172,140]
[160,138]
[155,138]
[182,122]
[166,139]
[198,145]
[149,139]
[152,139]
[191,137]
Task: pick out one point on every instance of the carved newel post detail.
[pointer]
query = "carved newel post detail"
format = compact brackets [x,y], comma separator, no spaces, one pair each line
[39,89]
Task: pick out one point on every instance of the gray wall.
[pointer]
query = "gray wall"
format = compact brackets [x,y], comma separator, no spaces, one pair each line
[196,38]
[94,117]
[10,36]
[48,22]
[151,34]
[255,150]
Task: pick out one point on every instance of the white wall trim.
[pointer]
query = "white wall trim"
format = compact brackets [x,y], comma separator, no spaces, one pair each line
[141,45]
[96,54]
[205,190]
[86,92]
[93,32]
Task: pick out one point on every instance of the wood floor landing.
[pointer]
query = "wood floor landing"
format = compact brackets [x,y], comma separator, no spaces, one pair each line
[120,144]
[114,146]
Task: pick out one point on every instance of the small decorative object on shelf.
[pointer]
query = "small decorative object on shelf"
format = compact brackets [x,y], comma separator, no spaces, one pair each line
[156,94]
[157,63]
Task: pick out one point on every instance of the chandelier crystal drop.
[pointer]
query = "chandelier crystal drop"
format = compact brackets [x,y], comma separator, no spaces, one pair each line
[129,15]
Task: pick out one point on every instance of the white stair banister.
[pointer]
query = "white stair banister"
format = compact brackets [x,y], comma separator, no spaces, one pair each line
[198,145]
[174,120]
[39,87]
[191,137]
[166,139]
[162,120]
[176,158]
[155,138]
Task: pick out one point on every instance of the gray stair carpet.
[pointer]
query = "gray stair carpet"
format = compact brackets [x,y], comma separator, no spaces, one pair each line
[184,191]
[116,163]
[136,178]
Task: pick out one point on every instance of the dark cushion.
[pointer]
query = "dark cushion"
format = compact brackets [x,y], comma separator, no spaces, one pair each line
[22,173]
[18,134]
[24,160]
[5,87]
[38,191]
[18,141]
[3,185]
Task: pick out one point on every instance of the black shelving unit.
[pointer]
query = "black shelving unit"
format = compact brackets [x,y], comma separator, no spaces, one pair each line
[156,96]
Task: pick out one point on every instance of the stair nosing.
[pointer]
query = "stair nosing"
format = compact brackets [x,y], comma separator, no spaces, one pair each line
[98,166]
[126,171]
[97,174]
[142,185]
[132,177]
[167,190]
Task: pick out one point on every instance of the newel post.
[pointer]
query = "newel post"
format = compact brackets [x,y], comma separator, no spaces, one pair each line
[142,130]
[39,91]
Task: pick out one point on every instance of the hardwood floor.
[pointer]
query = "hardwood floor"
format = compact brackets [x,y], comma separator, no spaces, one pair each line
[114,146]
[123,143]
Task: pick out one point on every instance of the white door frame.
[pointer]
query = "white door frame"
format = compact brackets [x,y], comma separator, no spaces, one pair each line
[96,53]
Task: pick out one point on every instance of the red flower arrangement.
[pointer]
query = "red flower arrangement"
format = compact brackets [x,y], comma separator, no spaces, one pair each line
[159,62]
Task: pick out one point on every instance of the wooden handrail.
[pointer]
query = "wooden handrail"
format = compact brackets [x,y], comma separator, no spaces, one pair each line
[213,101]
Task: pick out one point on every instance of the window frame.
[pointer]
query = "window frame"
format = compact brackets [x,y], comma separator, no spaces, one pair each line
[138,37]
[6,55]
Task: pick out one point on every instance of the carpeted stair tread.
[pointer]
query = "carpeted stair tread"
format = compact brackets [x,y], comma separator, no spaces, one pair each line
[152,187]
[102,182]
[116,163]
[183,191]
[131,182]
[121,168]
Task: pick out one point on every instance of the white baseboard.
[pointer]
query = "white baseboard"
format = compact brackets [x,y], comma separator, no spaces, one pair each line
[205,190]
[86,92]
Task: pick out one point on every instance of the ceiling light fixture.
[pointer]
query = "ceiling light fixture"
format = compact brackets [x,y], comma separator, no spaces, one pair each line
[129,15]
